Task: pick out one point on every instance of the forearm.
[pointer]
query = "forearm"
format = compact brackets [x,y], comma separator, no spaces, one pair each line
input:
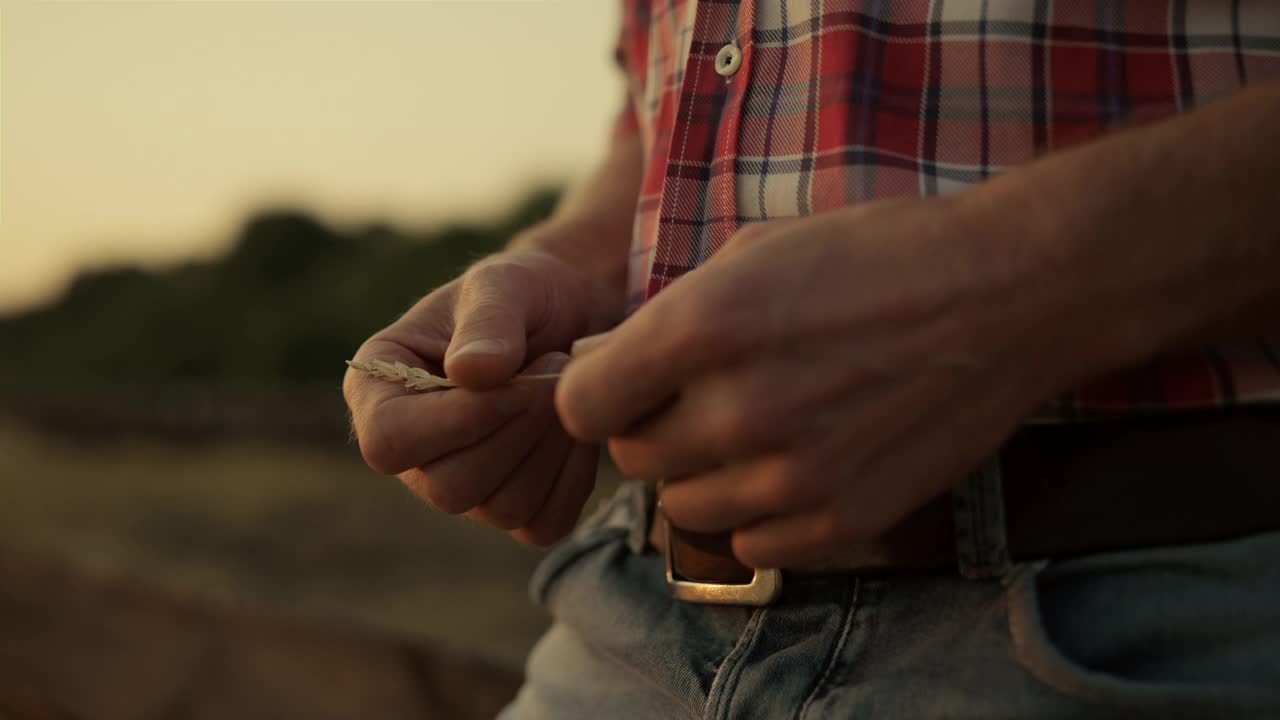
[591,227]
[1159,238]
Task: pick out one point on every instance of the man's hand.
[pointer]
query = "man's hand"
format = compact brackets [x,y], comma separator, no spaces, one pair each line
[491,450]
[819,379]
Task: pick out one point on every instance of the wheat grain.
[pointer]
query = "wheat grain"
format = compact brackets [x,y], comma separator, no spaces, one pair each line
[419,379]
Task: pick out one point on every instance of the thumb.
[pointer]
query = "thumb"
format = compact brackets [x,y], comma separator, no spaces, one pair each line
[488,343]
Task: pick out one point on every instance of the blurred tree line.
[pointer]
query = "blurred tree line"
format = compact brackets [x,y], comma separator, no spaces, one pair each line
[291,300]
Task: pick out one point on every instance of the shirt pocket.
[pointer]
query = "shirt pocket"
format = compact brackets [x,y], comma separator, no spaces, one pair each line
[1177,632]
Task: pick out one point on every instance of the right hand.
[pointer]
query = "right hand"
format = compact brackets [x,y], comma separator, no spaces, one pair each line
[490,449]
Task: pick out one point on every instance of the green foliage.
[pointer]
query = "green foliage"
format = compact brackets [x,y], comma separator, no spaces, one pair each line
[290,301]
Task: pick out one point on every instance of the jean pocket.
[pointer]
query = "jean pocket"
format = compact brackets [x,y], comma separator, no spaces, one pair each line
[1188,631]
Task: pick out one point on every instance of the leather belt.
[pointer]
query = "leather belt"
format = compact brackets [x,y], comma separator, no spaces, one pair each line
[1070,489]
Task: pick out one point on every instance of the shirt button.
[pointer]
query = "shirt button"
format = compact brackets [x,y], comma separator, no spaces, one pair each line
[728,60]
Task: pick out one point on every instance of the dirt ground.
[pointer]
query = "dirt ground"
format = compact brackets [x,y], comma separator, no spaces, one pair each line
[82,647]
[301,531]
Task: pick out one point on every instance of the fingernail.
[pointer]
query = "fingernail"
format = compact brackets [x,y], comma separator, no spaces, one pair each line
[554,363]
[585,344]
[487,346]
[547,365]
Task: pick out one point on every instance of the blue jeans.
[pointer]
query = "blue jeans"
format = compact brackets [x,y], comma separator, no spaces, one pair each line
[1181,632]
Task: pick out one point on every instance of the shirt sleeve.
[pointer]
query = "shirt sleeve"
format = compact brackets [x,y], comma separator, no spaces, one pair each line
[628,52]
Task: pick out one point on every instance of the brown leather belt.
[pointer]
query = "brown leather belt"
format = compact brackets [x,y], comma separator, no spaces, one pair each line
[1070,489]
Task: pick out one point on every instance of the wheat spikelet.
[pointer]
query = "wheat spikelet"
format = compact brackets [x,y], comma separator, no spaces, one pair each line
[419,379]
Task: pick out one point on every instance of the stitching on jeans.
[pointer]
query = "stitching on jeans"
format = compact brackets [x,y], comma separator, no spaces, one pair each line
[836,650]
[727,697]
[870,597]
[731,669]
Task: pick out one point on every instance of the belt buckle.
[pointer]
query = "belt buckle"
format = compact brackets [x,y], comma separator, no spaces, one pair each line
[763,589]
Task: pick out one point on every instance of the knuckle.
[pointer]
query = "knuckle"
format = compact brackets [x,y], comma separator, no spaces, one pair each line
[355,384]
[829,529]
[439,490]
[544,535]
[447,497]
[379,452]
[352,388]
[732,425]
[569,399]
[692,330]
[506,513]
[484,291]
[495,273]
[747,234]
[750,551]
[775,484]
[680,506]
[549,528]
[578,408]
[487,312]
[631,459]
[481,273]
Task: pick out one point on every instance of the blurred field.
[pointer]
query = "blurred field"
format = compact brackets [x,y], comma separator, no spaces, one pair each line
[178,497]
[306,530]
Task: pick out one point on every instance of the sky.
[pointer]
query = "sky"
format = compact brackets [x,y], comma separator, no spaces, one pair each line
[147,131]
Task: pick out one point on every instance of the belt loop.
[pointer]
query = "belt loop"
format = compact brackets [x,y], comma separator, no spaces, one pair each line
[644,498]
[982,548]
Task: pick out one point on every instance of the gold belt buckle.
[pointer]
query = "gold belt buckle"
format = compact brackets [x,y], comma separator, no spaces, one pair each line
[763,589]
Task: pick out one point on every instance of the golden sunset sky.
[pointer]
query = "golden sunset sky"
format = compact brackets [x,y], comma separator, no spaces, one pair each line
[147,131]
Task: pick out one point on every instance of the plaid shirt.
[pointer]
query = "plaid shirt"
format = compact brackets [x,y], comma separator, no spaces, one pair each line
[837,102]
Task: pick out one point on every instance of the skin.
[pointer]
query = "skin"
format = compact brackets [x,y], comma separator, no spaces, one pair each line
[819,379]
[495,451]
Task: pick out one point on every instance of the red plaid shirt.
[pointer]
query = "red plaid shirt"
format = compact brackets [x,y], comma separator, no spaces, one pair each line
[837,102]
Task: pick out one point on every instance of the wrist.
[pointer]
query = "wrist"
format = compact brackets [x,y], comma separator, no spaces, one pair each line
[1163,235]
[1061,282]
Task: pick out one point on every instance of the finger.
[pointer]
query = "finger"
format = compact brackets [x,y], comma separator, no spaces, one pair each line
[490,319]
[811,471]
[737,495]
[363,392]
[759,405]
[927,461]
[821,539]
[462,479]
[525,489]
[818,547]
[522,493]
[560,513]
[922,464]
[816,536]
[400,431]
[398,428]
[507,309]
[707,319]
[583,345]
[708,424]
[797,540]
[644,360]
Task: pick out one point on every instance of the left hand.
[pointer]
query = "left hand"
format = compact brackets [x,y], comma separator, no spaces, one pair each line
[819,379]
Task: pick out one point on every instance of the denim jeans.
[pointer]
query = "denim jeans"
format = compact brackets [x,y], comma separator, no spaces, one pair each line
[1176,632]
